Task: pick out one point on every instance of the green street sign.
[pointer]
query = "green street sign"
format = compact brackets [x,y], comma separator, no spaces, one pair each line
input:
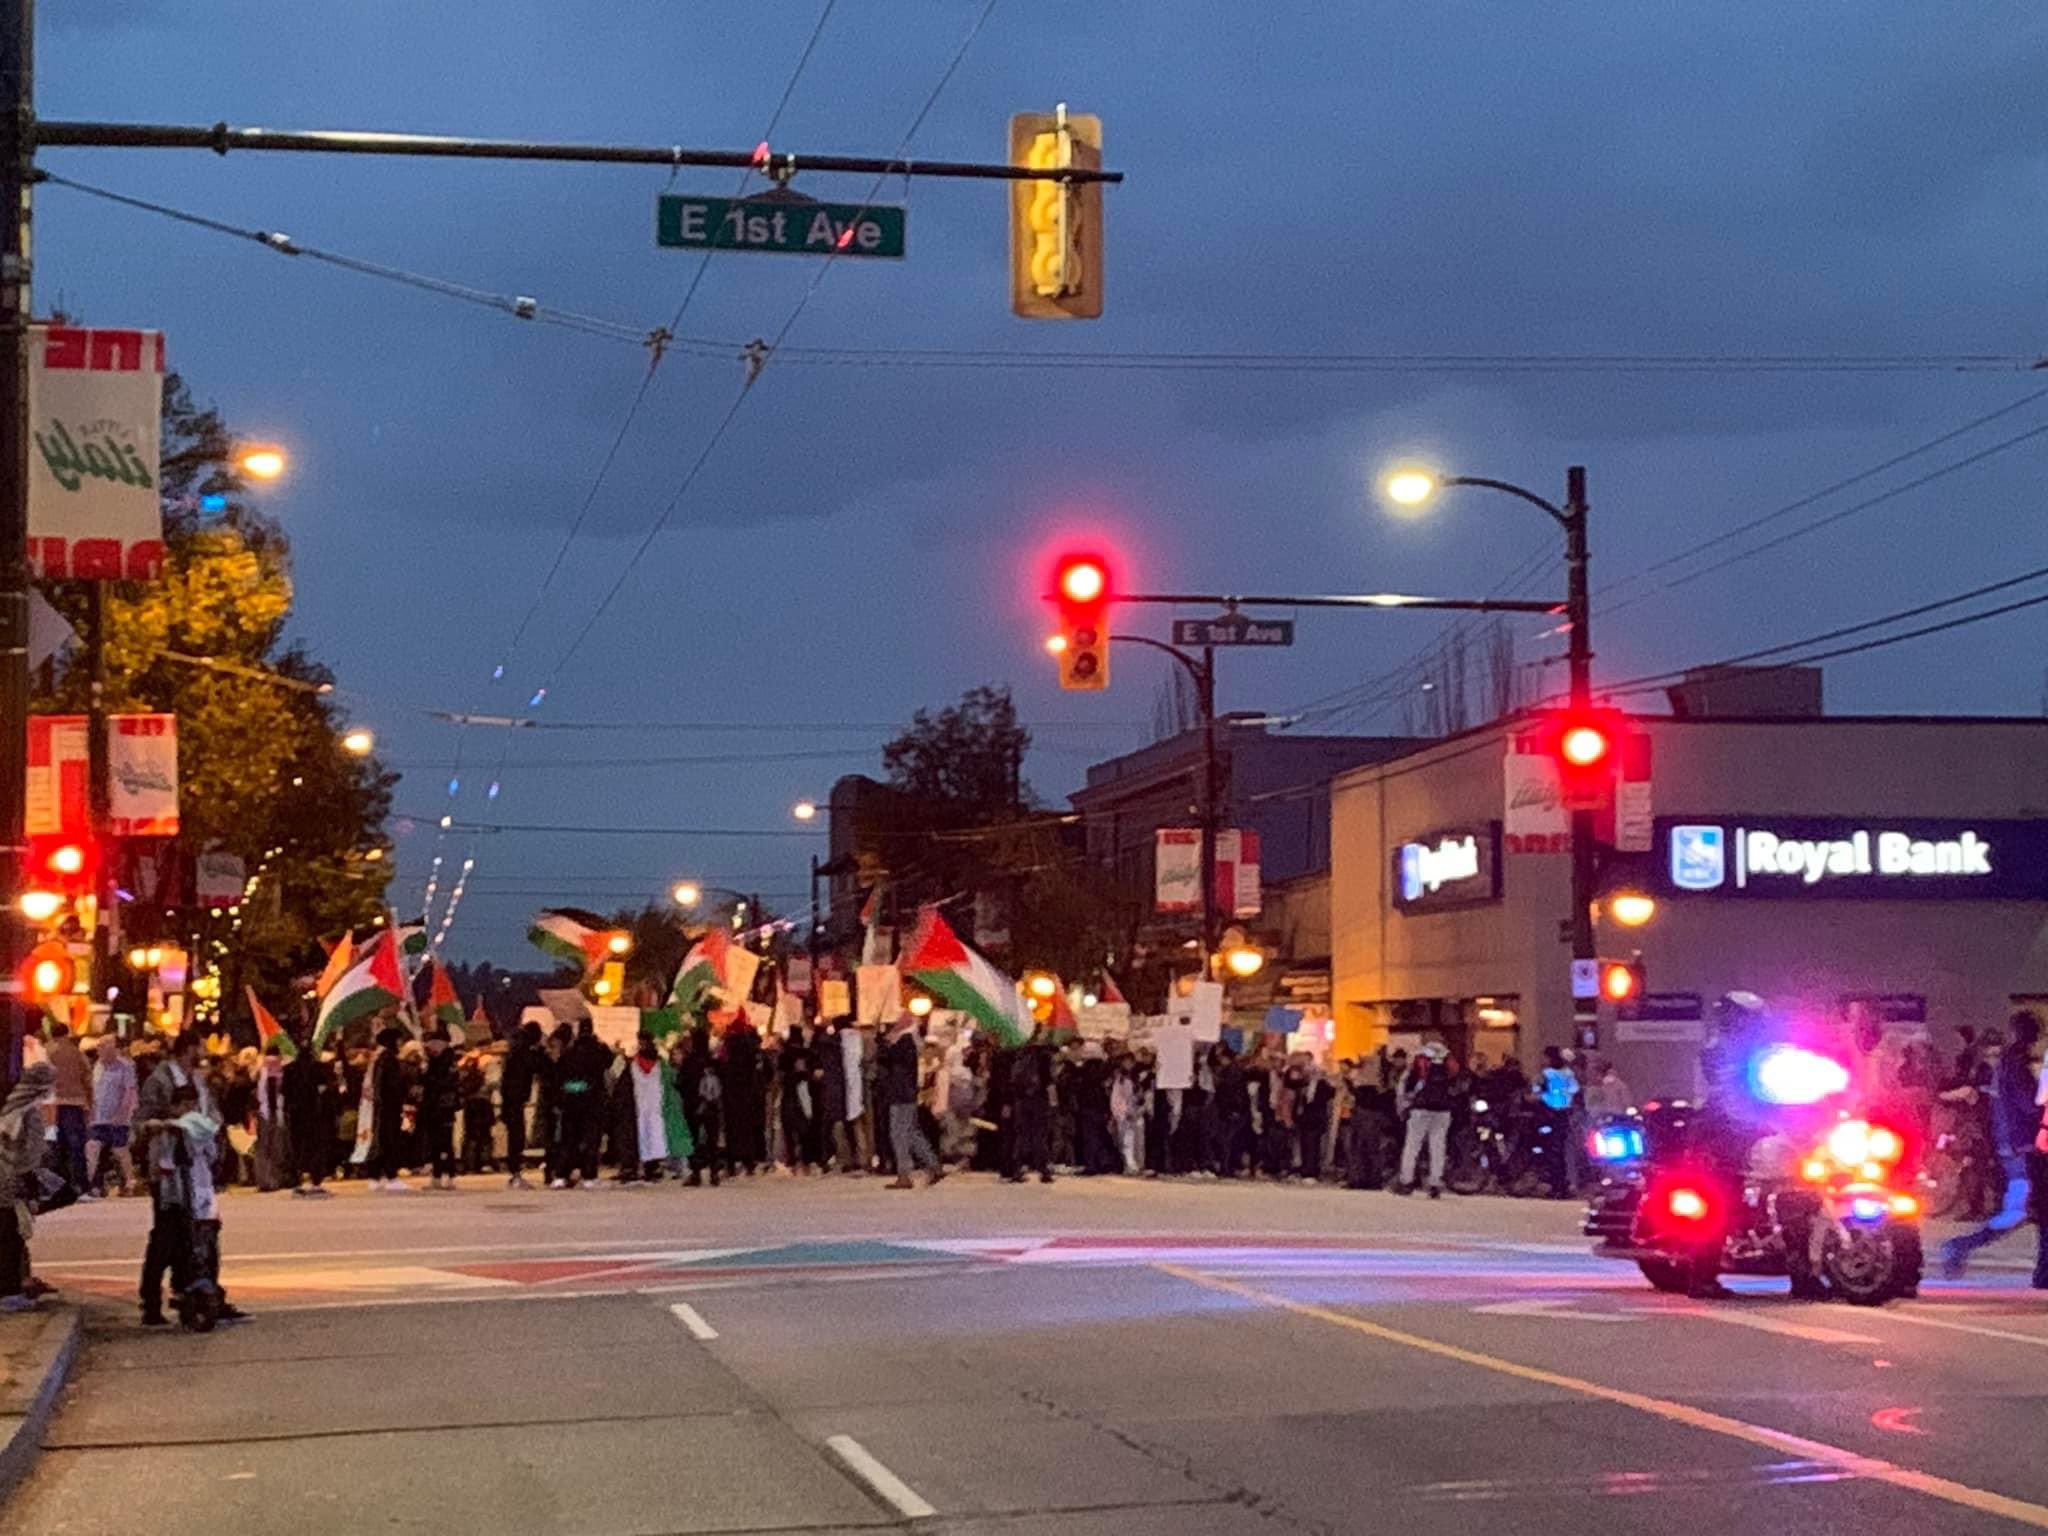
[792,226]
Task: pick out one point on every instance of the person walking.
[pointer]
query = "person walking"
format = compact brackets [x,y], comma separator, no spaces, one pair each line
[899,1062]
[73,1097]
[524,1063]
[1425,1098]
[440,1104]
[21,1152]
[113,1117]
[2016,1124]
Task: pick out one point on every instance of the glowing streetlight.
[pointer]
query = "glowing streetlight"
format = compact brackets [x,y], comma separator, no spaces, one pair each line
[920,1006]
[1410,487]
[1041,985]
[40,906]
[805,810]
[619,943]
[687,893]
[264,463]
[1244,960]
[1055,645]
[358,742]
[1631,909]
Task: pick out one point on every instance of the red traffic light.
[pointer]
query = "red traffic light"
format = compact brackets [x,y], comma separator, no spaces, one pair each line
[63,863]
[49,971]
[1620,980]
[1083,579]
[1585,745]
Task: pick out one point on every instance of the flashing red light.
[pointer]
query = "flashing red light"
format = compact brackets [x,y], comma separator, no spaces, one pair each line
[1687,1204]
[1083,580]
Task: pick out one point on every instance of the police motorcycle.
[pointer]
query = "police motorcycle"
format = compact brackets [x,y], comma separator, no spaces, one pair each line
[1781,1178]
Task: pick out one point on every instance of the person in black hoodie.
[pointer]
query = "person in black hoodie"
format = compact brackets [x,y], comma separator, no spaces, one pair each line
[746,1111]
[583,1069]
[308,1119]
[797,1065]
[703,1096]
[440,1104]
[388,1087]
[524,1060]
[547,1109]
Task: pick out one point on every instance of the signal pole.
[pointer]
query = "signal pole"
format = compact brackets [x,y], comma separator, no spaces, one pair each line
[1579,661]
[17,119]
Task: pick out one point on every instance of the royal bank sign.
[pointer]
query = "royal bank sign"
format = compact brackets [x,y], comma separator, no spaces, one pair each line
[1888,858]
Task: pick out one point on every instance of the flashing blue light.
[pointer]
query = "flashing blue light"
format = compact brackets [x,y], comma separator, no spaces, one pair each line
[1863,1208]
[454,788]
[538,695]
[1617,1144]
[213,502]
[492,792]
[1790,1074]
[497,672]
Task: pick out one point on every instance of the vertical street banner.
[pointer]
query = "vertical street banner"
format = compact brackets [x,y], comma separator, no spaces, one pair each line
[57,772]
[1237,873]
[1533,817]
[142,767]
[1177,870]
[95,399]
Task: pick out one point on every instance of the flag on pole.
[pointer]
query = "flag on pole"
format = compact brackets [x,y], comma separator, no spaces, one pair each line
[268,1029]
[568,933]
[960,978]
[339,959]
[374,982]
[480,1030]
[1060,1023]
[703,972]
[443,1004]
[412,941]
[1111,992]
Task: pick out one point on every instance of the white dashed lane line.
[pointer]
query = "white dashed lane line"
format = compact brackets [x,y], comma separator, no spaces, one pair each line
[693,1320]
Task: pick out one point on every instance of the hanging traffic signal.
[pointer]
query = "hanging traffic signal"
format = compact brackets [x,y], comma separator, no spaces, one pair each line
[49,972]
[1056,226]
[1621,981]
[65,864]
[1587,747]
[1081,642]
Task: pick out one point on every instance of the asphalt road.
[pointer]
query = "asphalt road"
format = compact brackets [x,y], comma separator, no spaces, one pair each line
[1086,1358]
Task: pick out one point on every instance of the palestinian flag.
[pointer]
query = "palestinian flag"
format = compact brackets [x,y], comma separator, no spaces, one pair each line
[373,983]
[937,960]
[1060,1023]
[703,973]
[412,939]
[480,1031]
[339,959]
[268,1029]
[1111,992]
[443,1004]
[572,935]
[662,1023]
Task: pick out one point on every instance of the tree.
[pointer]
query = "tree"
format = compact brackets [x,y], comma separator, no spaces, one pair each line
[968,757]
[262,772]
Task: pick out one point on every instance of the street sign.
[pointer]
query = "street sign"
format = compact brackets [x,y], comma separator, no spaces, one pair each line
[1585,979]
[787,225]
[1233,629]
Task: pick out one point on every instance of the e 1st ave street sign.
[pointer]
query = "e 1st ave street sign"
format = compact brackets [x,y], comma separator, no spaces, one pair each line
[1233,629]
[772,224]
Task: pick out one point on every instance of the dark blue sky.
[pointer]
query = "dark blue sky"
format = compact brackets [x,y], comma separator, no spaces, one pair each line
[1360,178]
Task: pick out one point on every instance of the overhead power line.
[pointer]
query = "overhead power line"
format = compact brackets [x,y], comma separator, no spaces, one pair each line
[493,827]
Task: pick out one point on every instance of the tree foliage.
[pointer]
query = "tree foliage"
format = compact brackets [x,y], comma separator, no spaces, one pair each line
[262,771]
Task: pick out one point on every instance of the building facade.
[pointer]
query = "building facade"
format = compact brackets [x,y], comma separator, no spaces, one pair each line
[1898,865]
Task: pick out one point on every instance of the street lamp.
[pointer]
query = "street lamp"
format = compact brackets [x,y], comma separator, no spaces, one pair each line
[263,462]
[1411,486]
[687,893]
[1041,986]
[358,742]
[620,943]
[804,810]
[1631,909]
[1244,961]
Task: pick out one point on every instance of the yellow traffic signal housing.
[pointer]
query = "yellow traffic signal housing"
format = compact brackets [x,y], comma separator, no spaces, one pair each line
[1056,227]
[1081,643]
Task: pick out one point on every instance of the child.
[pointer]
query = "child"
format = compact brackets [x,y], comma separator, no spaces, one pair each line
[195,1256]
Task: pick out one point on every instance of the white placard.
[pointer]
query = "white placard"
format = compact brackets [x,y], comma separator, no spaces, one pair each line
[1103,1021]
[616,1027]
[1205,1012]
[1175,1044]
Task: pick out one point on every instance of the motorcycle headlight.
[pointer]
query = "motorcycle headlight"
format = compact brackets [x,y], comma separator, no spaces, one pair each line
[1479,1106]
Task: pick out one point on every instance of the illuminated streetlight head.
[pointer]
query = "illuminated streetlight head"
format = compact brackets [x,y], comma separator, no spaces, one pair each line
[804,810]
[1042,985]
[619,943]
[358,742]
[263,463]
[1410,487]
[1631,909]
[1055,645]
[1244,961]
[687,893]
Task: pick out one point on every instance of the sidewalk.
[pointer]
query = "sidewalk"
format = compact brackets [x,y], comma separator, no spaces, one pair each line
[37,1350]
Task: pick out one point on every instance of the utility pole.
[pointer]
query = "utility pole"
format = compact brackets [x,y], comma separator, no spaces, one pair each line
[1205,685]
[1579,659]
[17,115]
[99,796]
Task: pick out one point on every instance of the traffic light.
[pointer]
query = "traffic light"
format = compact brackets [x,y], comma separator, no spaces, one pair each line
[610,985]
[1621,981]
[49,972]
[1081,642]
[1587,746]
[65,864]
[1055,226]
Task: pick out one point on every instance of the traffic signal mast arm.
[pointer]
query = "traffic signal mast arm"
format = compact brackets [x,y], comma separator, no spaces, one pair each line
[220,138]
[1347,600]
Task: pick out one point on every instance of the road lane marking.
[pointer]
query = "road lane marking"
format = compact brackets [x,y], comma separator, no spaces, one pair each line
[1813,1333]
[693,1320]
[1538,1306]
[886,1485]
[1915,1315]
[1982,1500]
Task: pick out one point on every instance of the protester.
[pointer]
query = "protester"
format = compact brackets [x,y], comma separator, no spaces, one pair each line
[702,1092]
[21,1153]
[584,1068]
[525,1063]
[2016,1122]
[440,1104]
[899,1082]
[272,1152]
[745,1108]
[380,1127]
[474,1077]
[73,1095]
[660,1134]
[309,1120]
[168,1159]
[113,1116]
[1425,1098]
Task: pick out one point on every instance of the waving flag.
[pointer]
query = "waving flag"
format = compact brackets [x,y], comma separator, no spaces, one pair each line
[373,983]
[570,934]
[268,1029]
[443,1004]
[339,959]
[960,978]
[703,973]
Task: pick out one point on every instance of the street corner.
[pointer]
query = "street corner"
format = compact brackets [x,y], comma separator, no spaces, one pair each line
[37,1352]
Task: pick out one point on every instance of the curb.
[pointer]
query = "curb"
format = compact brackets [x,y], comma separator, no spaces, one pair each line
[26,1409]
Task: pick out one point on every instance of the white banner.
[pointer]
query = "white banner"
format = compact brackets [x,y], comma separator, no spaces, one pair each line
[142,762]
[1533,819]
[95,400]
[1103,1021]
[1177,870]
